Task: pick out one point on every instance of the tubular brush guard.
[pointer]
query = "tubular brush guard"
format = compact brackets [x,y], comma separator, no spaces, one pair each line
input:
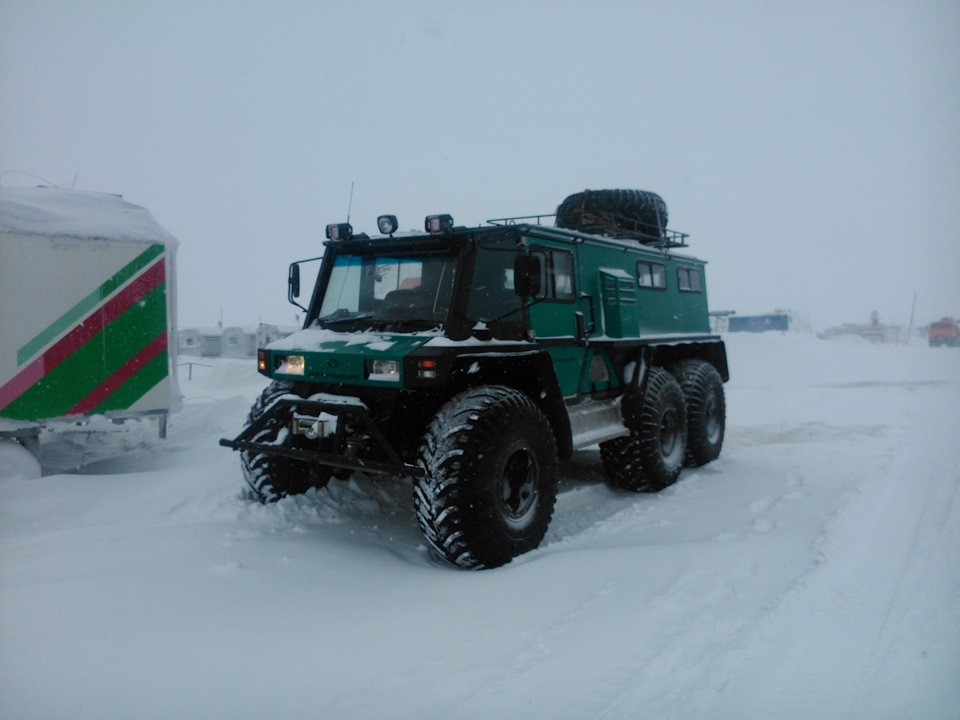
[354,414]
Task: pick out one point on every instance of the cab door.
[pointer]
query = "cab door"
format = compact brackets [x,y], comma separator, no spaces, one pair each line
[553,318]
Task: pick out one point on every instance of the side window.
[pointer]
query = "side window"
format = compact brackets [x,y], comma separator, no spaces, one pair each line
[688,279]
[491,295]
[556,279]
[651,275]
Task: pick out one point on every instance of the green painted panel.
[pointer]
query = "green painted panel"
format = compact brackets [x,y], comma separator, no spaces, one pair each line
[330,360]
[665,311]
[337,367]
[137,386]
[619,299]
[554,319]
[78,375]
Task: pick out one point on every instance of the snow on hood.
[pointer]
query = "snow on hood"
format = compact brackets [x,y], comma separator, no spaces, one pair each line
[321,340]
[50,211]
[314,339]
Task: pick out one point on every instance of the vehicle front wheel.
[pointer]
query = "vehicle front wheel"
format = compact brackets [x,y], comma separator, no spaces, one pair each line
[490,484]
[269,476]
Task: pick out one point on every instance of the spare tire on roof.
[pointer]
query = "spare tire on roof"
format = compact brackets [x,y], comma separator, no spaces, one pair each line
[614,212]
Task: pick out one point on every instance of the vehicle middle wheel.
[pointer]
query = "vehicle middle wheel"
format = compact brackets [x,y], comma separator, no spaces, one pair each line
[661,430]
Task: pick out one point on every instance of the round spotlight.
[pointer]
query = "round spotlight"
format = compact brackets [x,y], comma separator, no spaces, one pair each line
[388,224]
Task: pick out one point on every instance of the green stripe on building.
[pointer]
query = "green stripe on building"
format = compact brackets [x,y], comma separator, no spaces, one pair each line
[78,375]
[136,387]
[82,308]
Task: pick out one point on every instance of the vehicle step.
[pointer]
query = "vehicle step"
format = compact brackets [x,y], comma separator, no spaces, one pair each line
[593,421]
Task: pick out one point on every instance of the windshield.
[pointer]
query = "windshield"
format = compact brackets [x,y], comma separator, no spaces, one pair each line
[401,292]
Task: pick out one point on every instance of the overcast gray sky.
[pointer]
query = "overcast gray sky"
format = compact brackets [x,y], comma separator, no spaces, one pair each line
[811,149]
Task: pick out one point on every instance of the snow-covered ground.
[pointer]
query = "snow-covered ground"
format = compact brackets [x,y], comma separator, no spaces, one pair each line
[813,571]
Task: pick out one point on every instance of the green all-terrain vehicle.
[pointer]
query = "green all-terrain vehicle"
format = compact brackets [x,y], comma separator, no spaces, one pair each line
[472,359]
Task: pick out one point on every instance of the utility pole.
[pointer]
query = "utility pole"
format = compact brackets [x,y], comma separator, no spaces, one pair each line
[912,310]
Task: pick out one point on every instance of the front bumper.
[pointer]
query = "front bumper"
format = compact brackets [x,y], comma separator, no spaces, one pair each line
[344,453]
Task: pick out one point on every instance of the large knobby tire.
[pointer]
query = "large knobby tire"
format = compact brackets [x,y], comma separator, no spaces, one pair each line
[706,410]
[628,209]
[272,477]
[623,464]
[490,482]
[660,426]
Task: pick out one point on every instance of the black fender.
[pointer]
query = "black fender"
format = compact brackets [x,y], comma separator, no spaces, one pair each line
[711,351]
[530,371]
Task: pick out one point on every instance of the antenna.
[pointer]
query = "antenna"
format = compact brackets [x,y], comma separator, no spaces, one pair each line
[912,311]
[350,204]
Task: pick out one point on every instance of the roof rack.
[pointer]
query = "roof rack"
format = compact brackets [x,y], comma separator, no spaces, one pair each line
[514,220]
[609,225]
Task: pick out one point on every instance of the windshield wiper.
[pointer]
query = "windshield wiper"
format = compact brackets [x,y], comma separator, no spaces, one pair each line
[340,319]
[410,324]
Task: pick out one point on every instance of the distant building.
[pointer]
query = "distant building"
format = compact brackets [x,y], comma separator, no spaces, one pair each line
[778,320]
[720,319]
[199,342]
[874,331]
[231,342]
[239,342]
[758,323]
[267,334]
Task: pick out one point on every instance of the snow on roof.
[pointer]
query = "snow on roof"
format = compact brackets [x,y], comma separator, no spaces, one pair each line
[57,212]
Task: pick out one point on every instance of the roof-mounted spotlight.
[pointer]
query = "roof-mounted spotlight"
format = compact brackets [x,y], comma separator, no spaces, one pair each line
[340,231]
[438,224]
[388,224]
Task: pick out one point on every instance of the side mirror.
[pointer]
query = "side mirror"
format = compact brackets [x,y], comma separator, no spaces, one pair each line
[526,275]
[293,282]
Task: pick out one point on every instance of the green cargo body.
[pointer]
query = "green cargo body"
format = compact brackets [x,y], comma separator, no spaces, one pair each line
[86,307]
[610,271]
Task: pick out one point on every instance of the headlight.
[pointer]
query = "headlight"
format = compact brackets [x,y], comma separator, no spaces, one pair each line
[291,365]
[384,370]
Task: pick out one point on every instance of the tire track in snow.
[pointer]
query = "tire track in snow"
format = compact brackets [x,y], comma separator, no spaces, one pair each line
[835,640]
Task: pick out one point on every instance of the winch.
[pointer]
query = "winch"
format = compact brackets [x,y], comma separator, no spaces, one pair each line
[312,427]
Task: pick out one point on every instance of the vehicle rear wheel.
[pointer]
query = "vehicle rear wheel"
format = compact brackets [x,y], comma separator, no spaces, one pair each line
[706,410]
[272,477]
[490,462]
